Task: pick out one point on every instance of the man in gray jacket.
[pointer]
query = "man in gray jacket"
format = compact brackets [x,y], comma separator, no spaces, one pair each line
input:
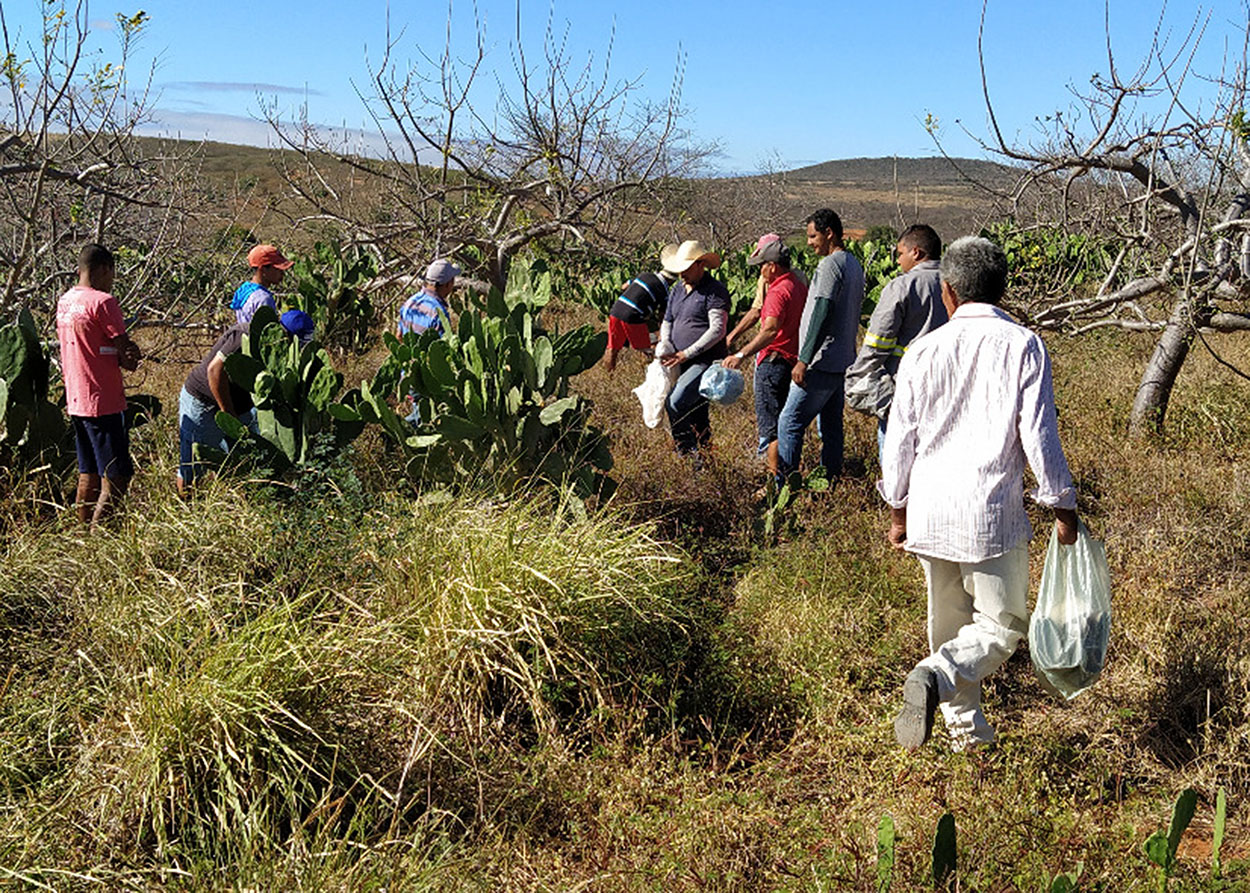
[910,305]
[826,347]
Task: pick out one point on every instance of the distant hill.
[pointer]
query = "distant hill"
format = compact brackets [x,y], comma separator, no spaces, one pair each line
[955,196]
[240,184]
[879,172]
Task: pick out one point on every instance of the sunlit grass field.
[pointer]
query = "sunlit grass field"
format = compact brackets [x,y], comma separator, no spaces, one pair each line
[352,683]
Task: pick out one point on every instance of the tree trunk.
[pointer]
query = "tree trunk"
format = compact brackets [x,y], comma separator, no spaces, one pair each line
[1157,381]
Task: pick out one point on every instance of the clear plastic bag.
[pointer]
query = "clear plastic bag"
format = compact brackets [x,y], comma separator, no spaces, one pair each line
[1071,623]
[654,391]
[721,385]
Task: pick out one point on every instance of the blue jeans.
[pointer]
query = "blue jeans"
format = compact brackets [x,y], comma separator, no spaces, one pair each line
[687,411]
[197,423]
[772,385]
[822,397]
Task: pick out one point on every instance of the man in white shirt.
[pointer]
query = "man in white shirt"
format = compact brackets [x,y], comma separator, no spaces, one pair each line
[973,402]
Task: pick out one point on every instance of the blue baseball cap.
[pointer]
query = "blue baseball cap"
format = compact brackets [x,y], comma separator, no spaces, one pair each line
[299,324]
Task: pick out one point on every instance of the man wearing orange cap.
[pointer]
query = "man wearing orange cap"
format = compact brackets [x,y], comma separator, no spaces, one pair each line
[269,267]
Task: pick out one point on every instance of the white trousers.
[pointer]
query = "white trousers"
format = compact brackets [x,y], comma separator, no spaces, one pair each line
[977,616]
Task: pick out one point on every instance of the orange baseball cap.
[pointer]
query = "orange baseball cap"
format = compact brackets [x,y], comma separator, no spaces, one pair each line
[268,256]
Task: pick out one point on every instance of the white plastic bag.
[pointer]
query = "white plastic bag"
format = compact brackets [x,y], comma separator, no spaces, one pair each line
[1071,623]
[654,391]
[721,385]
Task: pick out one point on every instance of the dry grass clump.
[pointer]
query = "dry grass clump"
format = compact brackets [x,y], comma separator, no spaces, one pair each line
[233,678]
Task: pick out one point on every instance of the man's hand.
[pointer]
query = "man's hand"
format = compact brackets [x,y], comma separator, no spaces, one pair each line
[798,374]
[128,353]
[1065,526]
[897,534]
[731,362]
[674,359]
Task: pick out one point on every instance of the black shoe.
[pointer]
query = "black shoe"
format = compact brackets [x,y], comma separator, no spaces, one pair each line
[914,722]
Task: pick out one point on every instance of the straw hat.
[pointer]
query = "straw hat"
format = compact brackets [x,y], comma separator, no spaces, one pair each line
[678,258]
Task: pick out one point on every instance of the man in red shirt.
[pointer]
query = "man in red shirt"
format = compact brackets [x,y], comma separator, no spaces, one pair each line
[94,350]
[777,341]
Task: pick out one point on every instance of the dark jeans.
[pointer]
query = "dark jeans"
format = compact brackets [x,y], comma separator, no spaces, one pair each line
[822,397]
[772,384]
[687,411]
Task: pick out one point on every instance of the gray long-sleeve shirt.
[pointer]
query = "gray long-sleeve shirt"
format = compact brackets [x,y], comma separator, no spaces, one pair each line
[910,305]
[831,315]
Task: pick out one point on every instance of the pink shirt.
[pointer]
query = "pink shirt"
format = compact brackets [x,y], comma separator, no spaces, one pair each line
[87,321]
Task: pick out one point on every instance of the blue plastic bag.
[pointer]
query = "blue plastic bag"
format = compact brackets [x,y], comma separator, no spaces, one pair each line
[721,385]
[1071,624]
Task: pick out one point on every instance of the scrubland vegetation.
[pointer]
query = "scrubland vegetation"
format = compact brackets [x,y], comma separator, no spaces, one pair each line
[343,681]
[378,662]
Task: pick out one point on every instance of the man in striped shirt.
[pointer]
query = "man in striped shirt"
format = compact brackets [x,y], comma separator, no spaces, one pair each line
[973,403]
[422,311]
[642,301]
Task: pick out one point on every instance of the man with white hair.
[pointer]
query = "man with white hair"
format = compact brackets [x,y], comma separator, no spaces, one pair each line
[973,402]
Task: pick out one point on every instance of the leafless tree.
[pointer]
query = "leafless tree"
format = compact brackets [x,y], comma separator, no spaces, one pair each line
[1169,181]
[557,149]
[733,211]
[70,168]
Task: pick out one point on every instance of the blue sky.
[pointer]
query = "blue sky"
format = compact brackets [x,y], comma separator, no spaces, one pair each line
[801,83]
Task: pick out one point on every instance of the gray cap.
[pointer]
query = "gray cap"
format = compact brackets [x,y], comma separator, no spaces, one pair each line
[769,252]
[441,272]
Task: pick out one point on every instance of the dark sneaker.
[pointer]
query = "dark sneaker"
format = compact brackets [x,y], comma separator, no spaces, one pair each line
[920,699]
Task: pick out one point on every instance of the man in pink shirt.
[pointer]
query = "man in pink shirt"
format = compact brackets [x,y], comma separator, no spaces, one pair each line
[94,350]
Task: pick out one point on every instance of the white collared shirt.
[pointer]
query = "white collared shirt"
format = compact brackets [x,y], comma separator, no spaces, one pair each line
[973,401]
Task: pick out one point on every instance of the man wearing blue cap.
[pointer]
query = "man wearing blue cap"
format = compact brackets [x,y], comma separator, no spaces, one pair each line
[209,389]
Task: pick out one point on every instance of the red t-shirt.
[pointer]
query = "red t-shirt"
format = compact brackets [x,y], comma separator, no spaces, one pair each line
[87,321]
[784,299]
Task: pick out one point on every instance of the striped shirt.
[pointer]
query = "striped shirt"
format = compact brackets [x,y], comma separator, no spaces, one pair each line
[973,402]
[420,312]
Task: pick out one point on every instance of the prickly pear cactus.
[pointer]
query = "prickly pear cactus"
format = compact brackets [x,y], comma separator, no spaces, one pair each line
[32,429]
[493,395]
[293,387]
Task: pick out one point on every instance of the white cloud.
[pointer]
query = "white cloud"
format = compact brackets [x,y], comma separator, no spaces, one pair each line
[248,131]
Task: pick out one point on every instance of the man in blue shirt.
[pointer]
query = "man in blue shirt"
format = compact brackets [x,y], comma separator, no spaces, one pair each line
[692,337]
[427,309]
[421,311]
[269,267]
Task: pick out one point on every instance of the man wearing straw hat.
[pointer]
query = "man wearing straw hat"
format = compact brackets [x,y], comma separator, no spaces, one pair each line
[692,337]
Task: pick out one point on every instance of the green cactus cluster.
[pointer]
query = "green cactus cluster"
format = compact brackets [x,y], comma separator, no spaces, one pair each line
[293,387]
[33,430]
[493,394]
[330,286]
